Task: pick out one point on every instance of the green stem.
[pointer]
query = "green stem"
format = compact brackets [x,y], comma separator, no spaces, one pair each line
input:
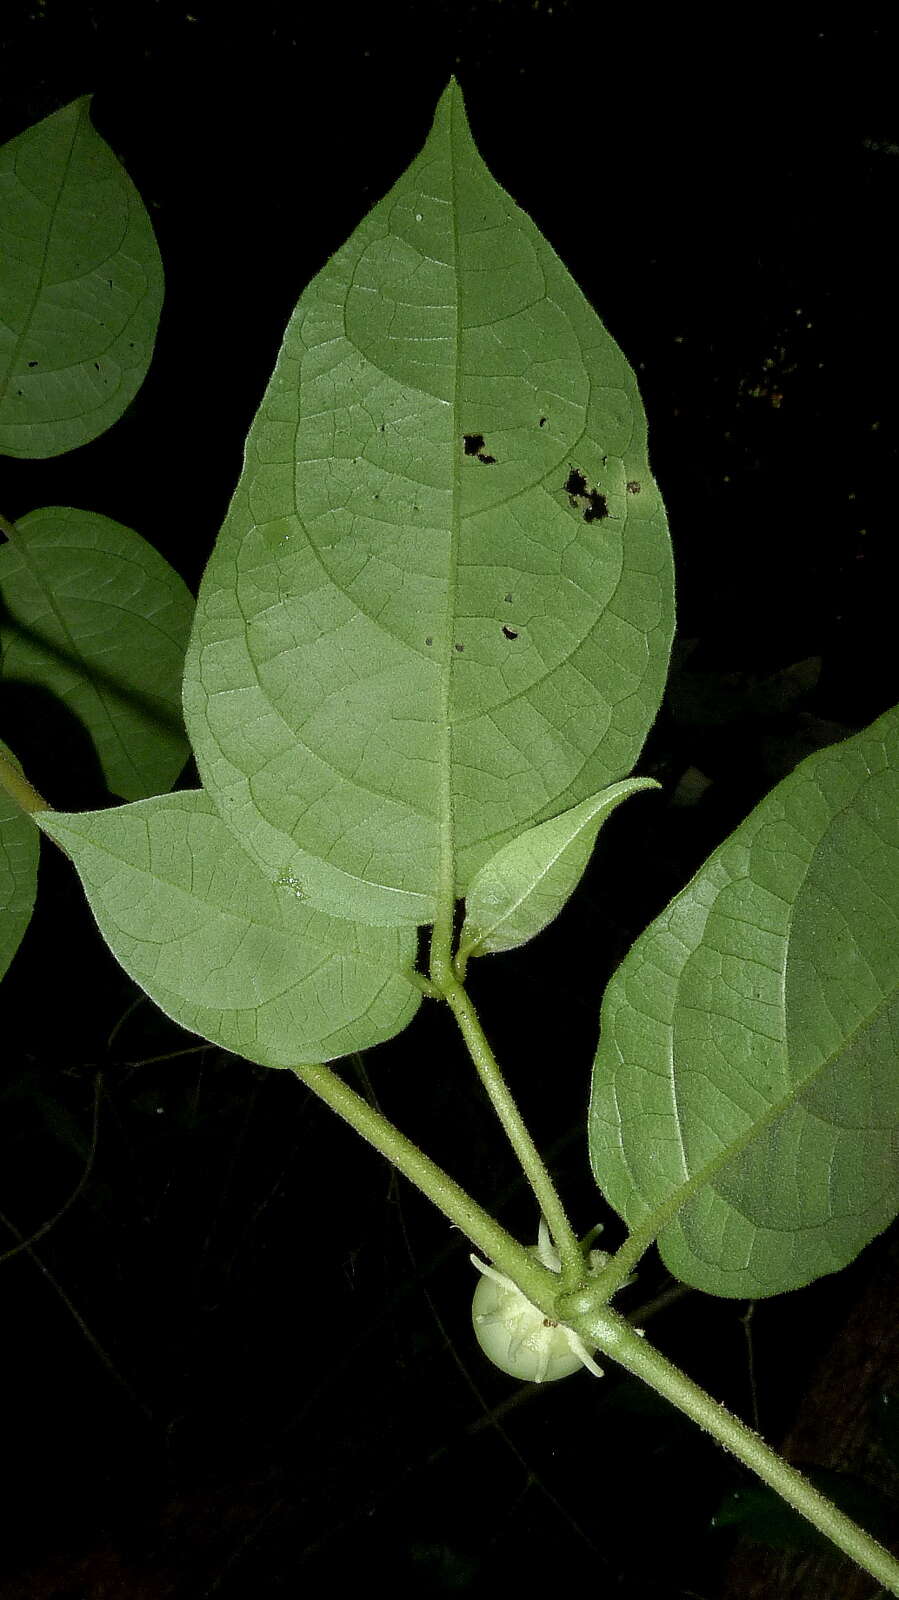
[613,1335]
[570,1251]
[419,981]
[618,1269]
[540,1285]
[601,1328]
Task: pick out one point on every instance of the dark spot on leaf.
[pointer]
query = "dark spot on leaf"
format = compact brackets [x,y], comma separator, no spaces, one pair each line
[581,498]
[596,508]
[109,283]
[429,640]
[474,445]
[32,363]
[508,599]
[543,422]
[96,366]
[459,647]
[633,487]
[381,427]
[510,633]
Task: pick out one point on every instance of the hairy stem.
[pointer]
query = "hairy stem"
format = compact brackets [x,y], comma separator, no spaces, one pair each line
[570,1251]
[613,1335]
[540,1285]
[610,1278]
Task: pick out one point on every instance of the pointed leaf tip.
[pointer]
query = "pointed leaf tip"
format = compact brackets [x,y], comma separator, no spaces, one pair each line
[516,894]
[440,608]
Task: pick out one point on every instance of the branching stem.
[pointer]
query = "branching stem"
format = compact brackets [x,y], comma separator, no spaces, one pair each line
[572,1256]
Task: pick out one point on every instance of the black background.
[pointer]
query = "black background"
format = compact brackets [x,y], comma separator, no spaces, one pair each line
[241,1362]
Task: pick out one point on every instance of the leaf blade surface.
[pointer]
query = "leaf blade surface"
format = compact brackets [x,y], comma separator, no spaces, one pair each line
[519,891]
[745,1100]
[19,849]
[440,607]
[81,283]
[222,949]
[92,612]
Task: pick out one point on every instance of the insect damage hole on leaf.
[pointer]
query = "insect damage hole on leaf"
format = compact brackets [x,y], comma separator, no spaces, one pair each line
[510,633]
[575,486]
[474,444]
[596,508]
[581,497]
[434,400]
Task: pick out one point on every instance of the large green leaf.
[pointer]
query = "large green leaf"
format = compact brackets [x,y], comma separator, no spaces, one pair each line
[519,891]
[746,1094]
[92,612]
[222,949]
[440,608]
[80,285]
[19,847]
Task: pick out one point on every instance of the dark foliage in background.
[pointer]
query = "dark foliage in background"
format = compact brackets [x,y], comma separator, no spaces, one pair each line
[241,1360]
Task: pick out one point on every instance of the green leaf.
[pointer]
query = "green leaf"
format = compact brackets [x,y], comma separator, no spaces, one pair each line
[226,952]
[745,1102]
[525,885]
[440,607]
[92,612]
[81,286]
[19,848]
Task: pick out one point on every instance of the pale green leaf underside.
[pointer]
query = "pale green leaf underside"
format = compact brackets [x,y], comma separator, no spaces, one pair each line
[93,613]
[404,649]
[220,948]
[516,894]
[746,1093]
[19,847]
[80,286]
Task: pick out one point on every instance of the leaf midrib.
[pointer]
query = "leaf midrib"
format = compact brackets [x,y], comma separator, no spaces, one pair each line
[446,871]
[656,1221]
